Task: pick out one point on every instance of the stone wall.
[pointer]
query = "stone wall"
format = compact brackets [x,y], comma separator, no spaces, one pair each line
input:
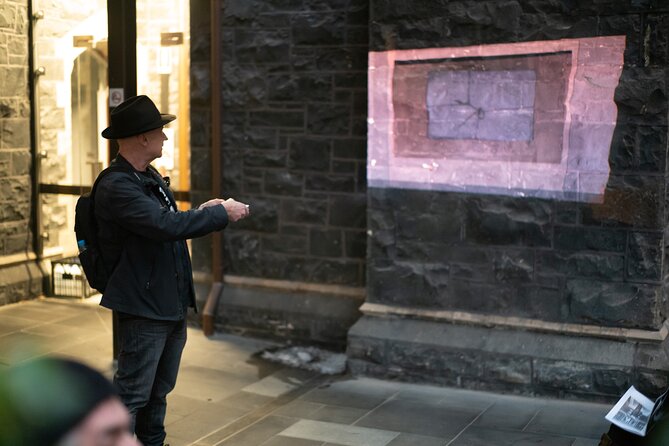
[294,104]
[15,161]
[294,126]
[18,280]
[552,261]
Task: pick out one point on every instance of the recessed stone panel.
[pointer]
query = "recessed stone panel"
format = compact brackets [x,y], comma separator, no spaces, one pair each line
[487,105]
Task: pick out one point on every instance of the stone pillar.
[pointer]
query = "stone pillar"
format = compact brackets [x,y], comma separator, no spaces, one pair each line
[19,276]
[200,132]
[551,296]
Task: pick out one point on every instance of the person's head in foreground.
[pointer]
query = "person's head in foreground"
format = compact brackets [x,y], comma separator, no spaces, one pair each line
[59,402]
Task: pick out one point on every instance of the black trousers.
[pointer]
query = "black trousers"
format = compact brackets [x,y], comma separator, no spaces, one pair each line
[148,363]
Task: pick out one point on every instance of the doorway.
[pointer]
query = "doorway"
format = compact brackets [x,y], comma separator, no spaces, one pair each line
[71,101]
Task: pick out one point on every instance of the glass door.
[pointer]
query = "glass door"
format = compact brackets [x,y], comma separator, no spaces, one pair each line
[70,57]
[163,62]
[72,96]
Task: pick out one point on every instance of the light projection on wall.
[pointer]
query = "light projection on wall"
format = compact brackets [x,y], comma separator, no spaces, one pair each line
[523,119]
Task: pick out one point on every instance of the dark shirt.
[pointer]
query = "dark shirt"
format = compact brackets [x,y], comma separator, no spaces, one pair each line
[143,244]
[181,254]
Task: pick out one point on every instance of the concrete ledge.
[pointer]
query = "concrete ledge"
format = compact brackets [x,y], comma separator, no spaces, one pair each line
[291,286]
[487,320]
[280,313]
[20,281]
[505,359]
[15,259]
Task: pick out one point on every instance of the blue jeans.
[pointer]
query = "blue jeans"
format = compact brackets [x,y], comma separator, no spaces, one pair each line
[148,363]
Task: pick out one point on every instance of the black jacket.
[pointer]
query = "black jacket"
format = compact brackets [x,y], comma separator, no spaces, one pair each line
[139,235]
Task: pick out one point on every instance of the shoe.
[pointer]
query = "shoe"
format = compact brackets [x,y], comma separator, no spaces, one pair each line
[605,441]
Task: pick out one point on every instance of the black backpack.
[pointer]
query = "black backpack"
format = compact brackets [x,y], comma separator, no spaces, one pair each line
[86,230]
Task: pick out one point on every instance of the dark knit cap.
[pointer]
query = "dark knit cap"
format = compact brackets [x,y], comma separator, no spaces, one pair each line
[43,399]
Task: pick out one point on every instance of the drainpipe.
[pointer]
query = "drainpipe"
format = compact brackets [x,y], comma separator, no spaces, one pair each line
[214,297]
[36,156]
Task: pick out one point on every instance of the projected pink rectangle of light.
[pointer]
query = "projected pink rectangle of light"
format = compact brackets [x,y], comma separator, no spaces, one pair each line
[523,119]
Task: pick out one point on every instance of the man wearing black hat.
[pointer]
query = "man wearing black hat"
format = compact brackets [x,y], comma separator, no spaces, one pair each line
[142,238]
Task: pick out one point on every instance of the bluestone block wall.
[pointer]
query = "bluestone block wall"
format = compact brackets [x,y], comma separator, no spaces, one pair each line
[555,261]
[294,138]
[18,279]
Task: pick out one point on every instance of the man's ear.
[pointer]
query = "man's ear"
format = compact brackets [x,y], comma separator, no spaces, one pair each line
[143,140]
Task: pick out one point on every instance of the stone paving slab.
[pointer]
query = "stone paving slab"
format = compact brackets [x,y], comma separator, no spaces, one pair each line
[479,436]
[513,414]
[341,434]
[416,417]
[226,395]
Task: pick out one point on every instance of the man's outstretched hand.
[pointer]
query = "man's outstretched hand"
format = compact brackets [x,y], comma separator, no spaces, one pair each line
[235,209]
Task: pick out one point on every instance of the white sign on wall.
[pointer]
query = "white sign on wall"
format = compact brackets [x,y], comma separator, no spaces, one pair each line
[116,96]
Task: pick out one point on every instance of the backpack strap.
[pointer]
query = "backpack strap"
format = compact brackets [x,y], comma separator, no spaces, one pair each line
[114,167]
[148,183]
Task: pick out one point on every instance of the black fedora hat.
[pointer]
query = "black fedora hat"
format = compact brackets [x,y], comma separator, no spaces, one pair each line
[133,116]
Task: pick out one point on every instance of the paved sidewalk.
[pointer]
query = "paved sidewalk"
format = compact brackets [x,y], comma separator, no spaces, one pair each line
[227,396]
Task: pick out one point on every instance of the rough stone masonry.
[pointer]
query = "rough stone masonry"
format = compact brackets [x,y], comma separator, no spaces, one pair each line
[294,124]
[294,104]
[19,277]
[600,265]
